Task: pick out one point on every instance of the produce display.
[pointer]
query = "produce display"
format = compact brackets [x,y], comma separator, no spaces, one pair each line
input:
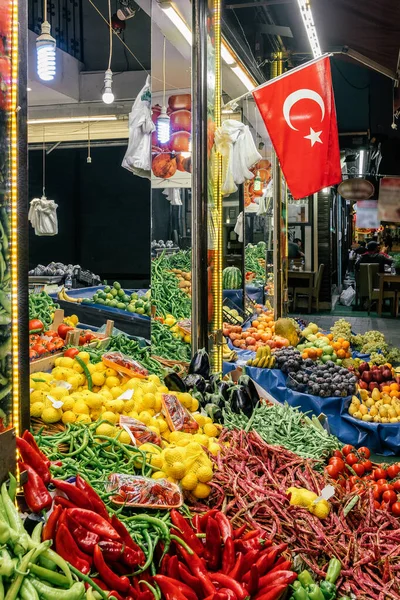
[231,278]
[46,342]
[42,307]
[254,257]
[168,343]
[115,297]
[166,294]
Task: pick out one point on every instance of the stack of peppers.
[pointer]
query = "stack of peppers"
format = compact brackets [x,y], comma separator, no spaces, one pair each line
[306,589]
[222,563]
[36,465]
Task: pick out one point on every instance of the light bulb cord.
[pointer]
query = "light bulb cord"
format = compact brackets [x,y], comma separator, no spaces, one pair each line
[164,72]
[44,10]
[111,33]
[44,164]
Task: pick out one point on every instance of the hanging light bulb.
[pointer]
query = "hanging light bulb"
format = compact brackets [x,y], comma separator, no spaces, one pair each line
[46,53]
[163,121]
[108,96]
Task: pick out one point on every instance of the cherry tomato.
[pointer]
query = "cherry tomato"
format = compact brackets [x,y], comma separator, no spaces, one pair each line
[364,451]
[347,449]
[386,487]
[389,496]
[351,459]
[353,480]
[396,486]
[380,474]
[381,481]
[396,509]
[358,468]
[376,492]
[341,481]
[338,462]
[338,454]
[377,504]
[332,471]
[392,471]
[367,464]
[385,506]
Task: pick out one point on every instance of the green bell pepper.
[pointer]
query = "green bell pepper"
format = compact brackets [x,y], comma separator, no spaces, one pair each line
[333,572]
[305,578]
[328,589]
[344,598]
[300,594]
[314,592]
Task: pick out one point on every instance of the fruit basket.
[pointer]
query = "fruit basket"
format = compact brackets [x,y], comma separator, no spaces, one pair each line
[231,313]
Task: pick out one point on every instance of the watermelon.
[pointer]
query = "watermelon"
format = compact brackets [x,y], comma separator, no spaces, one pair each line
[231,278]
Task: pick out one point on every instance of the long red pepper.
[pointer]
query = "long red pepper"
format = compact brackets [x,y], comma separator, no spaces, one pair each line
[189,579]
[283,566]
[196,566]
[213,544]
[187,532]
[277,577]
[181,587]
[85,539]
[115,551]
[224,525]
[168,589]
[74,494]
[237,533]
[94,522]
[231,584]
[204,518]
[33,459]
[228,556]
[173,567]
[252,585]
[49,529]
[164,564]
[120,584]
[63,502]
[238,568]
[36,495]
[67,548]
[273,594]
[28,437]
[124,534]
[267,560]
[196,523]
[93,497]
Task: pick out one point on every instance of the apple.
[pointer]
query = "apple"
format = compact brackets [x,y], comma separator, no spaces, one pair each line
[387,374]
[373,385]
[378,377]
[367,376]
[363,385]
[364,366]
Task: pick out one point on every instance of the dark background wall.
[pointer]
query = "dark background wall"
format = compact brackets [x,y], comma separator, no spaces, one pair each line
[103,214]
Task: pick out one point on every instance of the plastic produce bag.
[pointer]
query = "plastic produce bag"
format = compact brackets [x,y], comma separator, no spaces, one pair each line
[347,296]
[139,433]
[138,155]
[137,491]
[124,364]
[178,418]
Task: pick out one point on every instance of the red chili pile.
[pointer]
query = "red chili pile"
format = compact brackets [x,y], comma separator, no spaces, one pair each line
[254,476]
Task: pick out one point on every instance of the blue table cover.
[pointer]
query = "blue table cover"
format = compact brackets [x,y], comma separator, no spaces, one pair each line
[255,293]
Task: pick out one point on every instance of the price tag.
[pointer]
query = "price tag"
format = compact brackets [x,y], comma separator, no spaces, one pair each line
[55,403]
[127,395]
[64,384]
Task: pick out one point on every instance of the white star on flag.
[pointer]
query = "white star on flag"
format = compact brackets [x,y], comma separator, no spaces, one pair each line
[313,137]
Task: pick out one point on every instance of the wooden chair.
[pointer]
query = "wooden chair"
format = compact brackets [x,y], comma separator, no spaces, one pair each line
[362,285]
[373,288]
[311,293]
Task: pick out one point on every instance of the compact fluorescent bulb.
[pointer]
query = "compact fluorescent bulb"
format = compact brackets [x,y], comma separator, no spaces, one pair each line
[46,53]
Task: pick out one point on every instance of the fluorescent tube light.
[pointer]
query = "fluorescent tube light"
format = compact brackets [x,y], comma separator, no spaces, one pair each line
[71,120]
[244,78]
[177,20]
[226,54]
[306,14]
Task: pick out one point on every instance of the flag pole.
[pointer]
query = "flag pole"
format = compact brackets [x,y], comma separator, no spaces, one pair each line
[277,233]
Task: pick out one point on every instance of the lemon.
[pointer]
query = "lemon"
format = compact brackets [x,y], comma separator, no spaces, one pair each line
[36,409]
[112,381]
[133,383]
[177,470]
[83,419]
[154,428]
[68,417]
[149,388]
[166,434]
[91,368]
[200,419]
[190,481]
[171,480]
[157,405]
[173,455]
[186,400]
[195,405]
[214,449]
[156,461]
[95,414]
[207,420]
[183,442]
[111,372]
[201,439]
[82,379]
[154,379]
[57,362]
[162,425]
[74,380]
[85,356]
[174,437]
[116,391]
[204,474]
[159,475]
[193,449]
[210,430]
[133,414]
[145,417]
[124,437]
[38,396]
[68,404]
[77,367]
[202,490]
[98,378]
[51,415]
[80,408]
[129,405]
[105,429]
[149,400]
[94,400]
[106,394]
[162,389]
[100,367]
[108,415]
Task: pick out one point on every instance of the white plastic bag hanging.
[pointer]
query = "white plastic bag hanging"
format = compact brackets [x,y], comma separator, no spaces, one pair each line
[138,155]
[173,196]
[43,216]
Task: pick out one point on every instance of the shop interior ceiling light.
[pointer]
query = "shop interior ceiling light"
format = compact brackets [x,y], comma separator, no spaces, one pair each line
[306,14]
[46,50]
[177,20]
[108,96]
[163,122]
[71,120]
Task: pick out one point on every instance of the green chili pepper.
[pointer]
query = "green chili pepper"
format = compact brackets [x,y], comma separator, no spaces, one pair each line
[75,592]
[333,572]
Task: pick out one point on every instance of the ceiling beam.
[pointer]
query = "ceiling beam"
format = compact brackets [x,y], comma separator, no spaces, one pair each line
[261,3]
[275,30]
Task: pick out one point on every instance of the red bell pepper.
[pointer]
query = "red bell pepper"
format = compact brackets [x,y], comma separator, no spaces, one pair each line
[49,529]
[124,534]
[121,584]
[67,548]
[85,539]
[196,566]
[213,544]
[231,584]
[187,532]
[94,522]
[93,497]
[75,495]
[228,556]
[33,459]
[63,502]
[28,437]
[115,551]
[224,525]
[182,588]
[36,495]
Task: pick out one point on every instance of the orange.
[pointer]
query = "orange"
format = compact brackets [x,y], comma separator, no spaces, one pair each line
[394,394]
[330,336]
[341,340]
[320,352]
[255,323]
[348,354]
[341,353]
[304,355]
[336,345]
[346,345]
[386,389]
[394,386]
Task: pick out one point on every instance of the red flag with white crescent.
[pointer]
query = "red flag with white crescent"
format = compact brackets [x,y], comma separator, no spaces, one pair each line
[299,113]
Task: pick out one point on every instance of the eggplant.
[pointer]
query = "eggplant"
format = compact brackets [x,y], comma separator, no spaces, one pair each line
[216,399]
[195,381]
[223,389]
[200,364]
[214,413]
[248,383]
[174,383]
[240,401]
[199,396]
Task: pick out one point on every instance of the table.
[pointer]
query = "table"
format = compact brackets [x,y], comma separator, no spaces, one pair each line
[387,278]
[307,282]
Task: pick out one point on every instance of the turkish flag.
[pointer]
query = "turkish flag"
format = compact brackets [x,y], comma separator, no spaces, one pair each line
[298,110]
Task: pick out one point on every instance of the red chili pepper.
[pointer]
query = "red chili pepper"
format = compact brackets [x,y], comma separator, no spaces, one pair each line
[254,578]
[267,560]
[124,534]
[167,584]
[283,566]
[85,539]
[164,564]
[94,499]
[121,584]
[28,437]
[204,518]
[67,548]
[277,577]
[228,594]
[238,568]
[187,577]
[116,595]
[251,534]
[94,522]
[187,532]
[63,502]
[224,525]
[74,494]
[173,567]
[213,544]
[115,551]
[36,495]
[248,560]
[100,583]
[196,523]
[273,593]
[196,566]
[49,530]
[231,584]
[33,459]
[255,543]
[237,533]
[228,556]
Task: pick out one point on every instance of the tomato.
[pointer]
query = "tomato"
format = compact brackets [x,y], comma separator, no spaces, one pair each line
[381,481]
[35,324]
[367,464]
[338,454]
[389,496]
[377,504]
[385,506]
[341,481]
[63,330]
[396,485]
[376,492]
[71,352]
[364,451]
[396,509]
[392,471]
[351,459]
[386,487]
[332,471]
[353,480]
[338,462]
[358,468]
[51,347]
[347,449]
[380,474]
